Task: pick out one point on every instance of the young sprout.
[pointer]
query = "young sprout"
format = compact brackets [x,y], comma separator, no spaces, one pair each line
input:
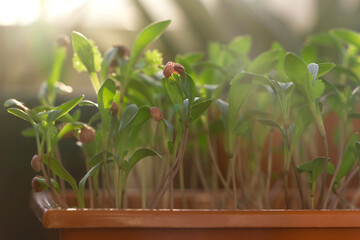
[69,134]
[86,134]
[35,163]
[35,184]
[156,114]
[171,68]
[114,109]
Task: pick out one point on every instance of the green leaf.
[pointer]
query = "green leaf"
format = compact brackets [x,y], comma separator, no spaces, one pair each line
[349,36]
[335,103]
[191,58]
[10,102]
[64,108]
[241,45]
[212,66]
[105,97]
[68,127]
[138,155]
[349,158]
[128,115]
[269,122]
[216,127]
[87,103]
[325,68]
[239,91]
[264,62]
[134,116]
[314,168]
[145,37]
[61,172]
[94,118]
[188,87]
[143,89]
[317,90]
[354,115]
[358,149]
[98,158]
[54,78]
[44,186]
[90,173]
[348,72]
[142,115]
[85,53]
[297,71]
[170,128]
[224,110]
[309,54]
[237,96]
[68,118]
[20,113]
[303,120]
[199,108]
[285,86]
[324,39]
[152,62]
[28,132]
[108,58]
[174,91]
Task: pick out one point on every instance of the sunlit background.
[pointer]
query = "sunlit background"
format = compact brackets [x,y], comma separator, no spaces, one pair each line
[28,29]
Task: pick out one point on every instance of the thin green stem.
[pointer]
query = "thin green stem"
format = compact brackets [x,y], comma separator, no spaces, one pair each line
[213,159]
[293,165]
[119,188]
[340,160]
[95,81]
[312,202]
[314,109]
[143,185]
[169,178]
[233,179]
[182,185]
[269,167]
[286,175]
[62,182]
[106,173]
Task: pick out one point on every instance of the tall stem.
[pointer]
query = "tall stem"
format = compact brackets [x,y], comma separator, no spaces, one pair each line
[59,201]
[169,178]
[269,167]
[323,184]
[312,201]
[340,160]
[286,189]
[351,175]
[233,179]
[106,173]
[95,81]
[293,165]
[143,185]
[200,171]
[182,185]
[213,159]
[119,188]
[62,182]
[321,129]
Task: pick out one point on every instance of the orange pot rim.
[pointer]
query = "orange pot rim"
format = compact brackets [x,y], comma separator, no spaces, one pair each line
[52,217]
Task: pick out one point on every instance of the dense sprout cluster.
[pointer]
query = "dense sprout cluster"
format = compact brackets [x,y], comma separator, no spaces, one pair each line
[250,115]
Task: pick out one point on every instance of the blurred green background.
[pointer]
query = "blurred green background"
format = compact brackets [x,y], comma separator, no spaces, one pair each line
[29,28]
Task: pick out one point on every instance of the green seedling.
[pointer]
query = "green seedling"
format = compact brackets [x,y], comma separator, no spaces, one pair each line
[164,115]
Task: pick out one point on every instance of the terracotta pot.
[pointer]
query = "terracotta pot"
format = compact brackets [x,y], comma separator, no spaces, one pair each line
[111,224]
